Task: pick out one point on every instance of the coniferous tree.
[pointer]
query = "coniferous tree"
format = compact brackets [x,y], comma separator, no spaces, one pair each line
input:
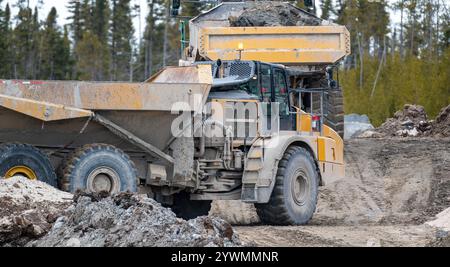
[55,64]
[95,17]
[5,41]
[100,24]
[86,16]
[22,42]
[327,9]
[65,60]
[90,62]
[76,20]
[122,33]
[147,54]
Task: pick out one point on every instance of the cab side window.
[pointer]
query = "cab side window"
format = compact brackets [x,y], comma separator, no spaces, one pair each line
[266,83]
[281,91]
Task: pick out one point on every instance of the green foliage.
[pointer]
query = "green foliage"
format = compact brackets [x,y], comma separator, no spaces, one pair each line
[327,9]
[5,42]
[122,33]
[54,51]
[419,76]
[409,80]
[77,23]
[91,64]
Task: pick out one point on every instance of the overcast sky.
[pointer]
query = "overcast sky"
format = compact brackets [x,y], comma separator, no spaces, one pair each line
[61,6]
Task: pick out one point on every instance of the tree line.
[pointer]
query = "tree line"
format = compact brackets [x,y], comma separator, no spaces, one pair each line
[391,63]
[98,44]
[394,63]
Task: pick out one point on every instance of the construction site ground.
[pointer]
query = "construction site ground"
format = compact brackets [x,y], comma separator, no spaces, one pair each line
[396,193]
[393,186]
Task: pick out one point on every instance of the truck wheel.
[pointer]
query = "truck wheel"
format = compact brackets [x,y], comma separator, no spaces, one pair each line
[99,168]
[27,161]
[335,110]
[294,199]
[188,209]
[333,105]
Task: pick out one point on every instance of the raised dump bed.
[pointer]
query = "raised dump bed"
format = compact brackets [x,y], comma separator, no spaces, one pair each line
[228,32]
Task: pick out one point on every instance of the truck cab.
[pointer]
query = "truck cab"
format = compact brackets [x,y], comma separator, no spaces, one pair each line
[268,83]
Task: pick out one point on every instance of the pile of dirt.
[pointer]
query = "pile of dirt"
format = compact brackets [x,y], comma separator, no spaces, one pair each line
[235,212]
[389,181]
[441,126]
[268,13]
[411,121]
[127,220]
[28,209]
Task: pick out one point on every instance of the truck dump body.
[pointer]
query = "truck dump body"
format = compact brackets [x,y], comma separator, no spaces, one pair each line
[52,114]
[213,37]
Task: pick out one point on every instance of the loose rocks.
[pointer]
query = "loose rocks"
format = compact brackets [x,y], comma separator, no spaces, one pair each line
[268,13]
[28,209]
[129,220]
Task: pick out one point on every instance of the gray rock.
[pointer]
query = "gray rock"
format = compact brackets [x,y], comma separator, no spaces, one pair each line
[127,220]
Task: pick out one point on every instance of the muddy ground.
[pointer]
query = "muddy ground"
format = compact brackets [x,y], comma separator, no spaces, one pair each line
[392,187]
[396,193]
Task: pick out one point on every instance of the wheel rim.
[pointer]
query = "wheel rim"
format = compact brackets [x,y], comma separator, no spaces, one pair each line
[300,187]
[103,179]
[21,171]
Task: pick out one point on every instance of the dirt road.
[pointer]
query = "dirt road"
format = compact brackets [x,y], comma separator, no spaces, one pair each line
[392,187]
[337,236]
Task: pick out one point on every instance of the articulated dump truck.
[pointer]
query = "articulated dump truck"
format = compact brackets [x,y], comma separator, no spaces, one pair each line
[179,137]
[214,130]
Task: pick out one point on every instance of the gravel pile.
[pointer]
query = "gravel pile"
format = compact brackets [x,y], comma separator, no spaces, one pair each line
[411,121]
[127,220]
[268,13]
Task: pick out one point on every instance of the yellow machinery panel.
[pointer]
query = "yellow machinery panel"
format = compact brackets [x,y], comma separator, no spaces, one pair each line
[295,45]
[212,37]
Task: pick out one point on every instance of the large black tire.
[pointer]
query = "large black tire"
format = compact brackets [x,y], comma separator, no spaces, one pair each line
[99,168]
[333,105]
[335,111]
[294,198]
[188,209]
[29,159]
